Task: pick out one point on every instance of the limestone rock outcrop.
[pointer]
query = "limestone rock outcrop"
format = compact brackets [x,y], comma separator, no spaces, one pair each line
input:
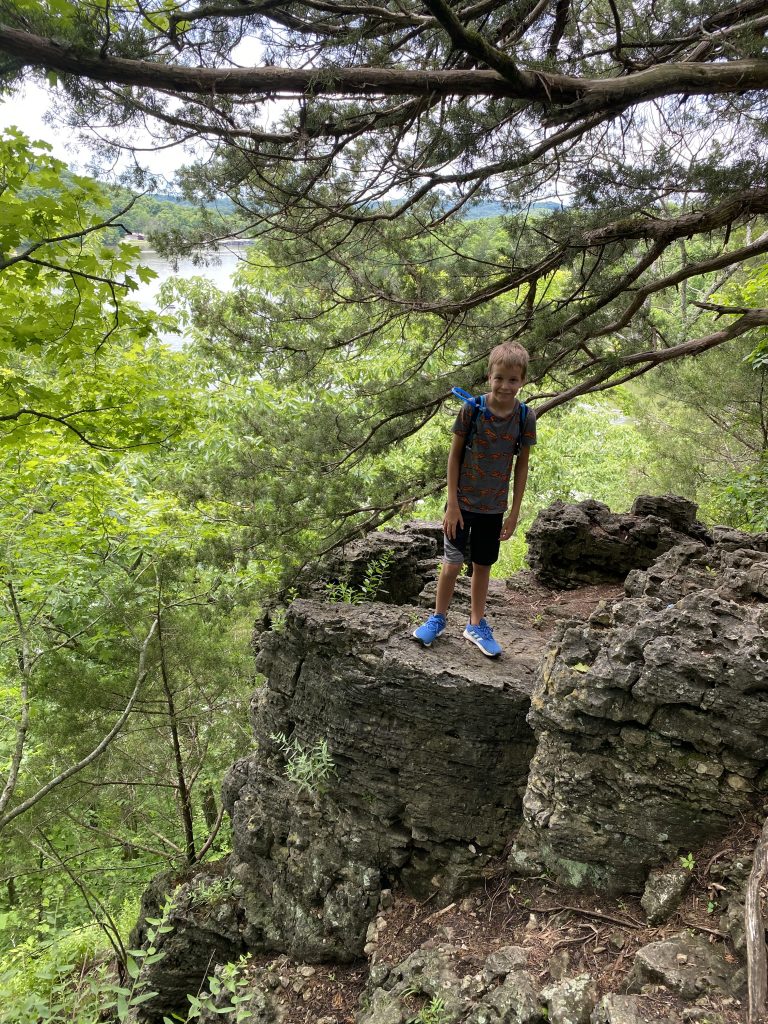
[636,734]
[412,552]
[200,928]
[652,719]
[570,545]
[430,753]
[686,964]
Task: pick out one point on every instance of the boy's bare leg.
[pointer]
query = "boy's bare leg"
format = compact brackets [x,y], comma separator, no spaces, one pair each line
[481,575]
[446,583]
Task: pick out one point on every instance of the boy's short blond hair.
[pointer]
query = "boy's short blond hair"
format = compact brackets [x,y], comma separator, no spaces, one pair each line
[509,353]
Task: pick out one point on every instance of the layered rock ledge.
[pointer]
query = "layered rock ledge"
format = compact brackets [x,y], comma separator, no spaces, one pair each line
[572,545]
[430,752]
[652,719]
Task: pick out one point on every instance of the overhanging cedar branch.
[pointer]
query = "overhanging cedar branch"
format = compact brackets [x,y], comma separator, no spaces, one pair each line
[638,363]
[741,205]
[575,96]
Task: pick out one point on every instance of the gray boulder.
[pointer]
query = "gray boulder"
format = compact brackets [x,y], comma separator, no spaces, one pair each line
[570,1001]
[412,552]
[429,980]
[423,977]
[615,1009]
[514,1001]
[504,961]
[570,545]
[651,720]
[687,965]
[664,892]
[200,914]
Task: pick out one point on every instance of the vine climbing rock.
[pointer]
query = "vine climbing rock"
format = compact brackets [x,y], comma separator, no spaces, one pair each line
[652,719]
[430,753]
[572,545]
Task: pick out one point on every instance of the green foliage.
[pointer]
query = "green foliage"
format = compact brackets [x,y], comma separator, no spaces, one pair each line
[309,769]
[208,894]
[97,546]
[742,500]
[703,424]
[227,992]
[372,586]
[688,861]
[432,1013]
[165,219]
[73,980]
[76,357]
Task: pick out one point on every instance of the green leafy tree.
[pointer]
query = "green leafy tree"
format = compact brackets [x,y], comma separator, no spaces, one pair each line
[123,646]
[706,420]
[74,311]
[647,123]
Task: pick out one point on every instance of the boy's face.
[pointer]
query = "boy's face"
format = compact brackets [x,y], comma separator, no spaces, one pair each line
[505,382]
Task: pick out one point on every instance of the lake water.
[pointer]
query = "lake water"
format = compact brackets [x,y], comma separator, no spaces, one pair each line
[216,267]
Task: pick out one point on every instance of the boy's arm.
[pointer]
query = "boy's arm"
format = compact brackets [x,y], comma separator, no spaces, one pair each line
[520,478]
[453,517]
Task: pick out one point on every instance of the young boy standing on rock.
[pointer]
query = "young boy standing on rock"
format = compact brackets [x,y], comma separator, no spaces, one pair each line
[478,486]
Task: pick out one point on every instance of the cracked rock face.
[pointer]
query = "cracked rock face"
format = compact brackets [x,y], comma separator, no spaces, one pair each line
[412,551]
[430,752]
[652,719]
[570,545]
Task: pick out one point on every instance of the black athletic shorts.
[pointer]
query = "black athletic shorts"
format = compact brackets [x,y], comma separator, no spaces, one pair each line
[483,532]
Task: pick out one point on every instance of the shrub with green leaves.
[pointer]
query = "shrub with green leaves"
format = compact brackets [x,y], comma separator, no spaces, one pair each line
[309,769]
[376,572]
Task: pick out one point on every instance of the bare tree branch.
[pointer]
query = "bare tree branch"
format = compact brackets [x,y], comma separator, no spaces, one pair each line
[576,97]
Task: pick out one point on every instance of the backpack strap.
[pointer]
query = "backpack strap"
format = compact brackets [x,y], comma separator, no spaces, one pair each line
[478,405]
[470,434]
[523,418]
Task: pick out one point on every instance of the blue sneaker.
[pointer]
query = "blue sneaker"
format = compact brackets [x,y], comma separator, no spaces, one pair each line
[482,636]
[431,630]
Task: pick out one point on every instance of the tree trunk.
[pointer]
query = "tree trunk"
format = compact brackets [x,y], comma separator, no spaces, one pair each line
[757,963]
[181,780]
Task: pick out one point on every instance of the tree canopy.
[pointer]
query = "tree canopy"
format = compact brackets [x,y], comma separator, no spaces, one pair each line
[646,122]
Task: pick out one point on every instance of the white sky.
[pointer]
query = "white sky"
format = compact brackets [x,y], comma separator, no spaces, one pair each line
[27,110]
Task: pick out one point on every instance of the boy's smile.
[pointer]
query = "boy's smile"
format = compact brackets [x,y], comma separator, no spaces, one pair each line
[505,382]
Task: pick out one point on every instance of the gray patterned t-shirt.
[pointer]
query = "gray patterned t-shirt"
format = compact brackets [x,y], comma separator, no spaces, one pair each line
[487,467]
